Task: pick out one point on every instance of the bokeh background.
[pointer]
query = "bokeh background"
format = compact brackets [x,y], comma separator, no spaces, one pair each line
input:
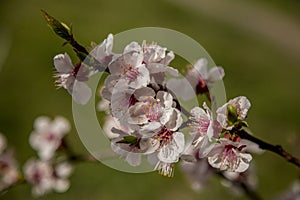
[256,41]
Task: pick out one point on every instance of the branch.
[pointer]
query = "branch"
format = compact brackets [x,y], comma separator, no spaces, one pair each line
[277,149]
[65,32]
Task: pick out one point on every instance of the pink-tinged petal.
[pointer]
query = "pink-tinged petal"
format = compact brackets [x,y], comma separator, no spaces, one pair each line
[245,159]
[165,98]
[175,120]
[169,57]
[216,74]
[115,67]
[137,114]
[61,185]
[109,83]
[103,105]
[222,116]
[134,159]
[103,52]
[152,158]
[200,67]
[109,43]
[243,106]
[134,59]
[41,123]
[178,139]
[181,88]
[172,71]
[133,46]
[166,115]
[60,125]
[144,92]
[142,79]
[81,93]
[170,153]
[150,127]
[64,169]
[63,63]
[199,113]
[121,99]
[110,123]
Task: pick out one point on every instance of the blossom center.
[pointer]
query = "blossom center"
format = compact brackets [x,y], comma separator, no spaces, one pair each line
[229,158]
[164,136]
[153,111]
[201,125]
[130,72]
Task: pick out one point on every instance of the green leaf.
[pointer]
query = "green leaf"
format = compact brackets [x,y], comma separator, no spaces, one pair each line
[131,140]
[232,114]
[61,29]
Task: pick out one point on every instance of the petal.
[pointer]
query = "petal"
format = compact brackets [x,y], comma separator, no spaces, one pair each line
[61,185]
[200,67]
[245,159]
[150,127]
[198,113]
[133,46]
[175,120]
[142,79]
[170,153]
[63,170]
[169,57]
[134,159]
[216,74]
[137,114]
[63,63]
[81,93]
[144,92]
[60,125]
[165,98]
[181,88]
[42,123]
[178,139]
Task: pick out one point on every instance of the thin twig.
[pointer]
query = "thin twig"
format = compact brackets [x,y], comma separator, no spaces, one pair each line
[277,149]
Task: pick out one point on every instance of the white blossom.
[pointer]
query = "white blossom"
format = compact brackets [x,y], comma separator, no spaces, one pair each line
[72,78]
[39,174]
[169,145]
[197,81]
[155,58]
[45,176]
[130,67]
[241,104]
[153,111]
[103,52]
[62,171]
[47,135]
[229,156]
[9,173]
[204,127]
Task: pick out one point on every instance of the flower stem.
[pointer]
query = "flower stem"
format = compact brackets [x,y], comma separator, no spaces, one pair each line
[277,149]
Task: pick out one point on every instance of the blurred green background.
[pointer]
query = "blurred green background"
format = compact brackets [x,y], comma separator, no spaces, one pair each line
[257,42]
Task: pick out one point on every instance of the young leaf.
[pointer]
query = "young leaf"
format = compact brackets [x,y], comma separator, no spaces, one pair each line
[61,29]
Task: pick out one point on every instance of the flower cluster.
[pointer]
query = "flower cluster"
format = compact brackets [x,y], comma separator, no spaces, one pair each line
[218,139]
[9,173]
[146,118]
[48,172]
